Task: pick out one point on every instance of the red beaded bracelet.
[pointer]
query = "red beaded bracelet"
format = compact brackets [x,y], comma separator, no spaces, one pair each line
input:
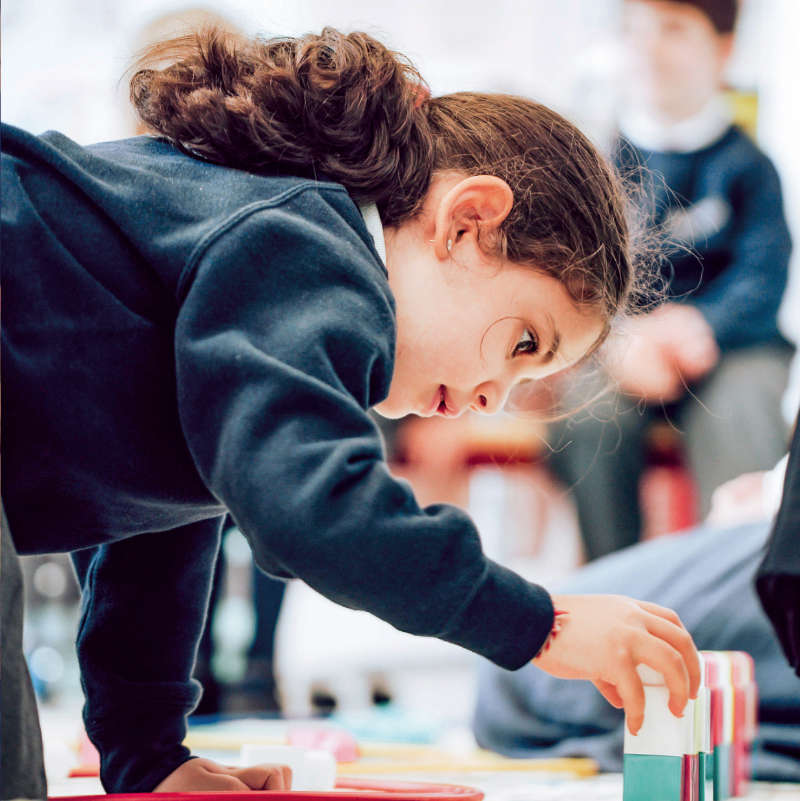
[558,624]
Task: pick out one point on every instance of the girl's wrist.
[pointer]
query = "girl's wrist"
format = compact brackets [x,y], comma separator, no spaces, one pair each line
[559,619]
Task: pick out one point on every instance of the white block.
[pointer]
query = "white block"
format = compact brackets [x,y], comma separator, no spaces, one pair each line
[702,721]
[312,769]
[661,733]
[650,676]
[702,715]
[726,686]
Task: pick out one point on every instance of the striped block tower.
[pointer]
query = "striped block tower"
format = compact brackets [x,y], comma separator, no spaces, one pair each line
[745,715]
[690,788]
[661,762]
[720,683]
[702,734]
[752,718]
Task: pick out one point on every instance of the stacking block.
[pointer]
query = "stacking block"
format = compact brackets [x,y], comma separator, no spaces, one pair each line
[313,770]
[661,762]
[706,754]
[690,789]
[702,735]
[752,719]
[745,716]
[720,683]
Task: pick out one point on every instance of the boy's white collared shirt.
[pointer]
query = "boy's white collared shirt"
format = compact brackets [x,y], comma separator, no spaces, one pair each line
[694,133]
[372,219]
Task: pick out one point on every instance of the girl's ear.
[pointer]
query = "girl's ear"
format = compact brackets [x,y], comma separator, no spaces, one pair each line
[478,204]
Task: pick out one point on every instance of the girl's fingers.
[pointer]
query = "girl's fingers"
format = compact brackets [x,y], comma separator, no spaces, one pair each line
[662,611]
[631,692]
[681,641]
[663,658]
[222,781]
[286,776]
[609,692]
[266,777]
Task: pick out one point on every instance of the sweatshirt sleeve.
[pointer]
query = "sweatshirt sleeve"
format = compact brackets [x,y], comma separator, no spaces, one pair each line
[284,339]
[741,304]
[777,579]
[144,602]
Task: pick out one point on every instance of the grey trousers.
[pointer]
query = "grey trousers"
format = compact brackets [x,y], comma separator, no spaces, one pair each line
[730,424]
[706,576]
[21,761]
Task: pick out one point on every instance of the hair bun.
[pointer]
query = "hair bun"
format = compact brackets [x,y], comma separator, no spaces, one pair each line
[341,104]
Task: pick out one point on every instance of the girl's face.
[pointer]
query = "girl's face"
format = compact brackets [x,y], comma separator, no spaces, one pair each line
[468,328]
[675,57]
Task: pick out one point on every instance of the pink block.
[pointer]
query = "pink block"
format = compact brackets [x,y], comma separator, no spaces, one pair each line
[339,742]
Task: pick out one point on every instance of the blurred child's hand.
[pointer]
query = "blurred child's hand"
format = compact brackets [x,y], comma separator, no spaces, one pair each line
[644,369]
[203,774]
[662,351]
[687,337]
[604,637]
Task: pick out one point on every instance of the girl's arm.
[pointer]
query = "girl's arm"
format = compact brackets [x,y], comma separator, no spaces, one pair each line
[284,339]
[144,602]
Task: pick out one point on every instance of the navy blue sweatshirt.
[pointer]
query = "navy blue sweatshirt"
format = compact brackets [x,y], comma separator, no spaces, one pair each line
[721,210]
[182,339]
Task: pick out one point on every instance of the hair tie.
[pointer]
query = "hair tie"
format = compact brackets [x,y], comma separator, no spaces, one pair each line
[421,94]
[558,624]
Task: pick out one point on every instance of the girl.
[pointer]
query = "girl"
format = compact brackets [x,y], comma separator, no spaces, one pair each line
[197,322]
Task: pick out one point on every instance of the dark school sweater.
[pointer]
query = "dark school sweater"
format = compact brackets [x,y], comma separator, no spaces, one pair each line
[727,241]
[181,339]
[778,578]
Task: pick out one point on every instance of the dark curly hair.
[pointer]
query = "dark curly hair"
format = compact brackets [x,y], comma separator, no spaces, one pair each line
[350,110]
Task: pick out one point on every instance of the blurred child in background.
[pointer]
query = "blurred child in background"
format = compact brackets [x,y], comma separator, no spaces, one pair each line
[711,359]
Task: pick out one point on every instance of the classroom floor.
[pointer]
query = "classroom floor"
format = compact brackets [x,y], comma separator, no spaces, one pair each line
[507,787]
[221,741]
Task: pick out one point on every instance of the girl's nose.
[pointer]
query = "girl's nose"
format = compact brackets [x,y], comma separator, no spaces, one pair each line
[489,399]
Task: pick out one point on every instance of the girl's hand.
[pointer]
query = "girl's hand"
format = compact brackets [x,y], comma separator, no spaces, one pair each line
[203,774]
[604,637]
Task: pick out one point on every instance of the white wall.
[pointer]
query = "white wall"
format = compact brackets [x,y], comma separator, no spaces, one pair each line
[63,61]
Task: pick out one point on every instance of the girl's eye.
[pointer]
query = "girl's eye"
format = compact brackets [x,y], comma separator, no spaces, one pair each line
[528,343]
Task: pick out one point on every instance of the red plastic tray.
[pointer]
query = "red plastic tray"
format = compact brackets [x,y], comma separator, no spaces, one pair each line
[358,789]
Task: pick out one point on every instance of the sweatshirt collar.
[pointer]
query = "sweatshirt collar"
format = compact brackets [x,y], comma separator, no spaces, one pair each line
[694,133]
[372,219]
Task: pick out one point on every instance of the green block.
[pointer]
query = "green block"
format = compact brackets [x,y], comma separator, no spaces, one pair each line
[706,776]
[722,772]
[651,778]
